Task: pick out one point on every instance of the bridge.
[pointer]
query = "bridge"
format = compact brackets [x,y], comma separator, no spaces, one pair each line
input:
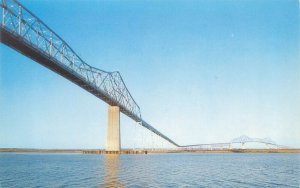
[26,33]
[242,140]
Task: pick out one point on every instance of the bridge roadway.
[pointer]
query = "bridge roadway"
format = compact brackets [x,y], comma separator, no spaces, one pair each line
[23,31]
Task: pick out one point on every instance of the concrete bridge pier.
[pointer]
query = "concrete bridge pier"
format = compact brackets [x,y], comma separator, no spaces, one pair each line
[113,142]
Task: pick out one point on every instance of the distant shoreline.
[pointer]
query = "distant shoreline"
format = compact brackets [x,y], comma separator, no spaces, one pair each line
[146,151]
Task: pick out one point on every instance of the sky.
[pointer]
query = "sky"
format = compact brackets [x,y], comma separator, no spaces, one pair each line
[202,71]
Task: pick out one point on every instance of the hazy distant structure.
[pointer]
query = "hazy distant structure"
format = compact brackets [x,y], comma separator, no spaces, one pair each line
[238,142]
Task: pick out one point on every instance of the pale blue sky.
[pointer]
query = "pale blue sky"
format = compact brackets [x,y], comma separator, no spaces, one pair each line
[201,71]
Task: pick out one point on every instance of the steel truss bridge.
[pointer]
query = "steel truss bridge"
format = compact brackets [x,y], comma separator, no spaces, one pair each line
[239,140]
[27,34]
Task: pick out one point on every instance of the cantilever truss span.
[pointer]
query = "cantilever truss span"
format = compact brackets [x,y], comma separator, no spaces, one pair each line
[239,140]
[26,33]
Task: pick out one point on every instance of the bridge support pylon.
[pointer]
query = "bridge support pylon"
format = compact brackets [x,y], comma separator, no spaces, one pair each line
[113,142]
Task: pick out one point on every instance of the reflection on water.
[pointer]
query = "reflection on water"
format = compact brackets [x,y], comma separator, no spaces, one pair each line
[112,169]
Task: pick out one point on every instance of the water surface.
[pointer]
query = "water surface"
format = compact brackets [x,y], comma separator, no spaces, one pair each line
[153,170]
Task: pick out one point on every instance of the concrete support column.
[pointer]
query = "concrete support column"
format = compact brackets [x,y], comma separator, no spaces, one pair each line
[113,142]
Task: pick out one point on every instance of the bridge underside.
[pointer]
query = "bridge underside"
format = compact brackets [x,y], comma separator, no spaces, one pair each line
[26,49]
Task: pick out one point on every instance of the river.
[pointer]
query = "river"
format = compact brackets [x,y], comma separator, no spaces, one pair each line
[152,170]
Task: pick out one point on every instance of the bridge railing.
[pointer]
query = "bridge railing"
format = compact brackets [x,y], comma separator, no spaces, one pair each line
[23,24]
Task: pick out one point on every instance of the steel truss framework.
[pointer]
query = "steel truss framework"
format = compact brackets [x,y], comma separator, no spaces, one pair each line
[23,31]
[239,140]
[244,139]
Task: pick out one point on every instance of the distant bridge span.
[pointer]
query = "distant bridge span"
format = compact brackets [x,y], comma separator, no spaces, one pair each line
[240,140]
[27,34]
